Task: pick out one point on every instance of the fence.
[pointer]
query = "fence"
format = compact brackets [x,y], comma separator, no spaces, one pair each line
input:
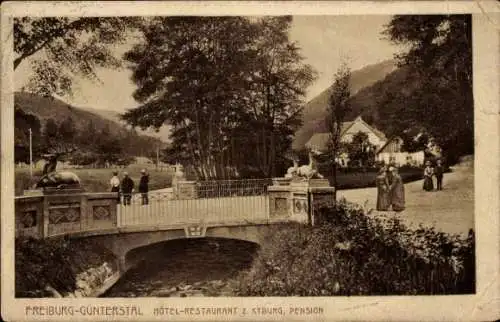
[160,209]
[212,201]
[232,188]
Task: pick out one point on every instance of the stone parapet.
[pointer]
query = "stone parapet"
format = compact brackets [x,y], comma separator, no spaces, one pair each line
[300,200]
[52,214]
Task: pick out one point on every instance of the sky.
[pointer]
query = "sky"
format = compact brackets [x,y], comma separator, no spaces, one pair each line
[325,41]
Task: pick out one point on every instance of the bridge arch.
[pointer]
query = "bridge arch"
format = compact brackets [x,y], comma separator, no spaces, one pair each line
[123,242]
[215,246]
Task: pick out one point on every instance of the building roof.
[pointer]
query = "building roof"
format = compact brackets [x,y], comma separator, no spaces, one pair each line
[375,131]
[319,141]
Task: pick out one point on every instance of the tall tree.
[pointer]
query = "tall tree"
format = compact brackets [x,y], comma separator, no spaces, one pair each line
[439,61]
[279,84]
[188,73]
[217,80]
[63,47]
[338,108]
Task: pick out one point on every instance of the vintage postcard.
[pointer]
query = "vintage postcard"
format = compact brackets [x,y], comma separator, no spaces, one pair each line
[250,161]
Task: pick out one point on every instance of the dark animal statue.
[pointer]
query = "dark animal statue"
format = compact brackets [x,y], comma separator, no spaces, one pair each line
[59,180]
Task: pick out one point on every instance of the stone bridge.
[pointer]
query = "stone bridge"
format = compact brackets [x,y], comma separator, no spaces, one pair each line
[124,228]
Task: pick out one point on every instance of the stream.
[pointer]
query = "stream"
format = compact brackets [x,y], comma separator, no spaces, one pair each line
[186,268]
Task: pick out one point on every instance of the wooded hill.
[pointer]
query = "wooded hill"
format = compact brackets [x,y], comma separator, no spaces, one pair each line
[46,108]
[363,83]
[163,133]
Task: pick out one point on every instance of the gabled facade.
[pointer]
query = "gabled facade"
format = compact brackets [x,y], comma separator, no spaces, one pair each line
[375,137]
[319,141]
[389,151]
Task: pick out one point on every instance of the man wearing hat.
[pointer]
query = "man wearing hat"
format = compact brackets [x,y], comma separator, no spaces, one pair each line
[143,186]
[127,188]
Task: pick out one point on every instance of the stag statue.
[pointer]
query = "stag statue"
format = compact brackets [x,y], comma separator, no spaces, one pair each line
[304,172]
[310,171]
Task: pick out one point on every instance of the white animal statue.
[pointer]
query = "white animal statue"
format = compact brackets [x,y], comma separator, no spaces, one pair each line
[309,171]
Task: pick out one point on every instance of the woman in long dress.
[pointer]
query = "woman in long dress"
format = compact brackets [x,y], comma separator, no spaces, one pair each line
[428,173]
[383,194]
[397,189]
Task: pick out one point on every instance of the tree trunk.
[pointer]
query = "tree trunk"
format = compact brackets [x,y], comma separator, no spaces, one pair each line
[273,155]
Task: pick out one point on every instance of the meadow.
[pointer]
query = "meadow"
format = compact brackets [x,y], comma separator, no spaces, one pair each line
[97,179]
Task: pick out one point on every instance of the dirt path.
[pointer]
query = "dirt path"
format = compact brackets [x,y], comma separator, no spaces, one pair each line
[450,210]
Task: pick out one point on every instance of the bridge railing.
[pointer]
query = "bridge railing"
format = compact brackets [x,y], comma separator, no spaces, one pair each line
[161,208]
[232,188]
[214,202]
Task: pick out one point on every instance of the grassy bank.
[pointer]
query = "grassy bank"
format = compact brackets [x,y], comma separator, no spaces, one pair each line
[97,180]
[354,254]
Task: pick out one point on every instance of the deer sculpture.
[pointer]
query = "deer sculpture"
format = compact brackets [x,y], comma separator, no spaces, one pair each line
[310,170]
[304,172]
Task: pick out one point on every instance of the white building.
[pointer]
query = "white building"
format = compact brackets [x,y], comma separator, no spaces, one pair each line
[390,151]
[319,141]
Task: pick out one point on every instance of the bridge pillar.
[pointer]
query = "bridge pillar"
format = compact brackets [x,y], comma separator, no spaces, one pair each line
[300,200]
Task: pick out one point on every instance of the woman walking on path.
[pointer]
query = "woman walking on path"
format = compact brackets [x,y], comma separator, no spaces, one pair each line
[428,173]
[397,190]
[383,201]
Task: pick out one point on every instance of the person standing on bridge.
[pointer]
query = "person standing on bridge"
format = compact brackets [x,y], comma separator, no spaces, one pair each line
[115,184]
[127,188]
[143,186]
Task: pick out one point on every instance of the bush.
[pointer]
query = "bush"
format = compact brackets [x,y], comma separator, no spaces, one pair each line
[354,254]
[55,262]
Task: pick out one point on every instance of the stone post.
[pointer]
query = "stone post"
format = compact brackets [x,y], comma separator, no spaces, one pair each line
[299,200]
[186,190]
